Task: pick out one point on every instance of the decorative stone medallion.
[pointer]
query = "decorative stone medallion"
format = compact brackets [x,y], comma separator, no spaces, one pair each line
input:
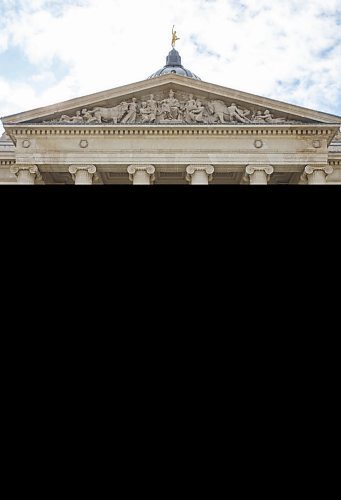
[258,144]
[83,143]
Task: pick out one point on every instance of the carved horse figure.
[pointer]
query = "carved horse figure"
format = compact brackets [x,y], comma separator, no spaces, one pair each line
[107,114]
[219,109]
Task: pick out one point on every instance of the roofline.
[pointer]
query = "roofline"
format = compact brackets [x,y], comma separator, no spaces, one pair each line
[199,85]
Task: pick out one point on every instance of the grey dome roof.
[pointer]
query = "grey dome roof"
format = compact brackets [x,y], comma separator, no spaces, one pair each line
[173,65]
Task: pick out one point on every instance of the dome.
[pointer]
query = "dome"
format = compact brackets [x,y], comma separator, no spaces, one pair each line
[173,65]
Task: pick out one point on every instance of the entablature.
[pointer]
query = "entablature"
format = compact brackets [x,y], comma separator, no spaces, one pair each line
[20,130]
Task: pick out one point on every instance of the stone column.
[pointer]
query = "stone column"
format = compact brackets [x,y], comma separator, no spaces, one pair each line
[259,174]
[26,174]
[82,174]
[317,174]
[141,175]
[199,174]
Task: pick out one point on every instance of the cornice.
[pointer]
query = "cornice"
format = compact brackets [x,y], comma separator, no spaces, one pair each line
[15,130]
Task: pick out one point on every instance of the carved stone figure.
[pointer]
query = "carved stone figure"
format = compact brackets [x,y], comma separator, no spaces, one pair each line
[110,114]
[268,117]
[259,118]
[170,107]
[198,111]
[153,106]
[232,112]
[88,118]
[219,109]
[65,119]
[130,117]
[244,113]
[190,106]
[78,119]
[146,113]
[236,114]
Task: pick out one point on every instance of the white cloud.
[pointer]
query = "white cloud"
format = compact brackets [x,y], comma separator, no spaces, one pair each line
[250,45]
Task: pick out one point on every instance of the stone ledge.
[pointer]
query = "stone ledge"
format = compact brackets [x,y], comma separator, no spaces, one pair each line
[274,130]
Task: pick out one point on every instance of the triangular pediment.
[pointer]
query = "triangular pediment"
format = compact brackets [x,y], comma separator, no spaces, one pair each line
[171,99]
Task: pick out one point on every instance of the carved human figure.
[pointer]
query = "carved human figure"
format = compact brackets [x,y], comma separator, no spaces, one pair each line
[65,118]
[132,111]
[190,106]
[78,118]
[175,37]
[237,114]
[244,113]
[152,105]
[259,118]
[268,117]
[88,117]
[198,112]
[146,114]
[170,107]
[72,119]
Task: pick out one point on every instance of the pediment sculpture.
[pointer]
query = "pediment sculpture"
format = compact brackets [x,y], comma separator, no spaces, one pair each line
[172,109]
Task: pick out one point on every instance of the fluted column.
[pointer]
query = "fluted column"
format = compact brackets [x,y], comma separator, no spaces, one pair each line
[199,174]
[83,174]
[259,174]
[317,174]
[141,174]
[26,174]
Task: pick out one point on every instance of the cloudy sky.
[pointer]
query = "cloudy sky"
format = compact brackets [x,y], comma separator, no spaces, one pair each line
[53,50]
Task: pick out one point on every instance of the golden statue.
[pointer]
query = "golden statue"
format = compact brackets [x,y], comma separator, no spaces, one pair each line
[174,37]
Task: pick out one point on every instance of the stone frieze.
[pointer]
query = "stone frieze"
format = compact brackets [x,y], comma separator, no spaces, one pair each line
[169,109]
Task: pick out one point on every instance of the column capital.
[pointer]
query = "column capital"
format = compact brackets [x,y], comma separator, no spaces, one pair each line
[147,169]
[316,174]
[251,169]
[91,169]
[310,169]
[258,174]
[32,169]
[83,174]
[192,169]
[26,173]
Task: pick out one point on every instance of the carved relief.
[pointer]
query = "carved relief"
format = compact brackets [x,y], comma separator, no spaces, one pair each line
[173,108]
[258,144]
[99,115]
[83,144]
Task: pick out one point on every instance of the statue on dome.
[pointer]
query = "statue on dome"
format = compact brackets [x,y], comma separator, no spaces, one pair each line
[175,38]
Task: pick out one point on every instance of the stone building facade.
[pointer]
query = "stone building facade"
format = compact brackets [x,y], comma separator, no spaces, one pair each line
[172,128]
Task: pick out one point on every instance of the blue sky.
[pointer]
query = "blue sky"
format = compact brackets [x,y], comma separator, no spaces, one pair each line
[53,50]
